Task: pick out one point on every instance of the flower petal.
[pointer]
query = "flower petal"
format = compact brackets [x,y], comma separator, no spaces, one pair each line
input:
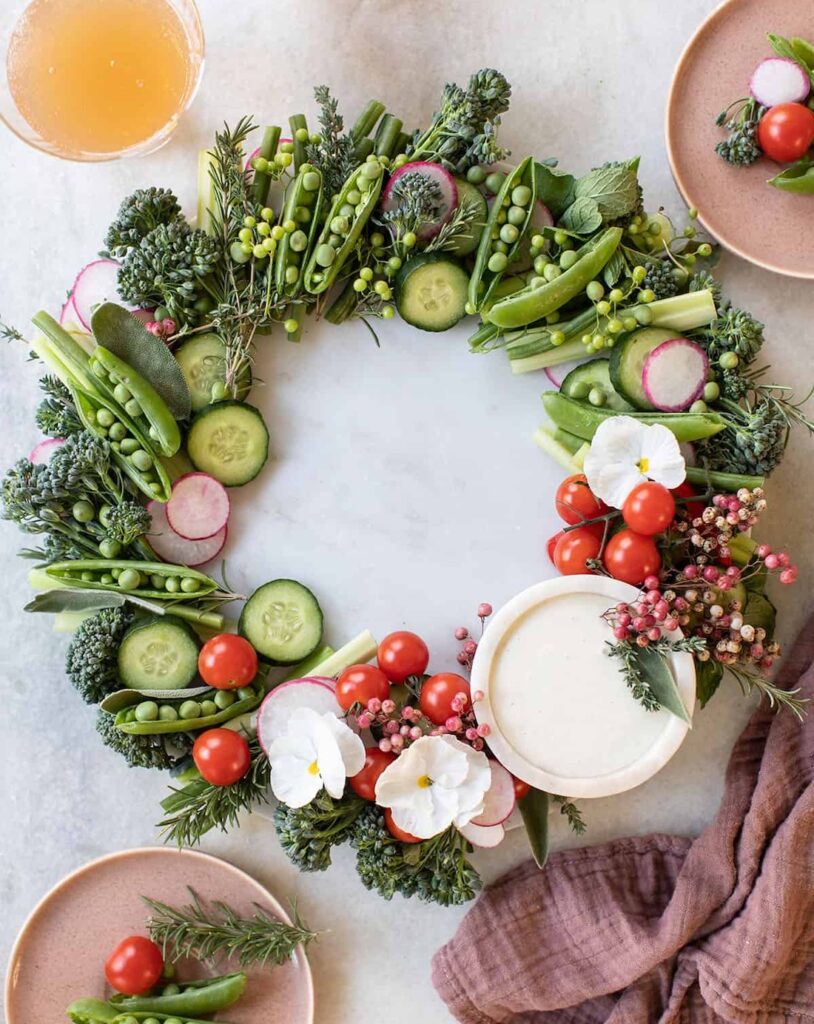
[614,482]
[292,782]
[445,762]
[329,761]
[429,814]
[399,781]
[665,463]
[351,748]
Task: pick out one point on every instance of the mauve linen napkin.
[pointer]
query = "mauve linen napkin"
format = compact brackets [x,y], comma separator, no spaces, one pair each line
[660,928]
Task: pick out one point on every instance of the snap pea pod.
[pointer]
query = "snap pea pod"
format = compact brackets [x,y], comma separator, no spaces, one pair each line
[146,579]
[351,211]
[502,237]
[798,178]
[299,137]
[582,419]
[268,149]
[303,205]
[195,998]
[534,303]
[96,1011]
[188,716]
[142,403]
[152,1017]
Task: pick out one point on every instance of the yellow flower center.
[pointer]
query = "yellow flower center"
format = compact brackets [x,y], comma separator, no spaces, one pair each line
[313,768]
[424,782]
[643,465]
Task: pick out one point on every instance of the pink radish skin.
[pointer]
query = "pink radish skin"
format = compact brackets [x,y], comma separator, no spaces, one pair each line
[449,194]
[557,374]
[199,507]
[674,375]
[94,284]
[43,451]
[499,801]
[311,692]
[256,152]
[487,837]
[174,549]
[779,80]
[68,313]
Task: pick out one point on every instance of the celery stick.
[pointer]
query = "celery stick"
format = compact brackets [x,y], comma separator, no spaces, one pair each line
[69,622]
[205,219]
[550,357]
[355,652]
[545,438]
[683,312]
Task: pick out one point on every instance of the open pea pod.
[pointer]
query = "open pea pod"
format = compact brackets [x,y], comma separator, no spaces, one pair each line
[196,998]
[127,721]
[97,1011]
[133,577]
[350,211]
[583,419]
[514,202]
[138,398]
[119,699]
[303,205]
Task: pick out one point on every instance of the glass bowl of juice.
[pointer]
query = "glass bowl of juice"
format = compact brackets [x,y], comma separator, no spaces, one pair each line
[99,79]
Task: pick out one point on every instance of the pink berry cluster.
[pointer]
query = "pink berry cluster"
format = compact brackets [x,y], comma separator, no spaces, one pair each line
[469,646]
[400,726]
[161,328]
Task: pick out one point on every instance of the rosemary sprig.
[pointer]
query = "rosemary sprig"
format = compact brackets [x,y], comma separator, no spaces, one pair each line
[192,931]
[335,153]
[9,333]
[777,697]
[572,812]
[462,222]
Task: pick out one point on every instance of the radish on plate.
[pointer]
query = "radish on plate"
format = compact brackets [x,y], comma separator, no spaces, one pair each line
[94,284]
[485,836]
[315,692]
[177,550]
[674,374]
[43,451]
[498,803]
[435,173]
[199,506]
[779,80]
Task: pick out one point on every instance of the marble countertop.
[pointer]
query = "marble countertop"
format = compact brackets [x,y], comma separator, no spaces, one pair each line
[404,486]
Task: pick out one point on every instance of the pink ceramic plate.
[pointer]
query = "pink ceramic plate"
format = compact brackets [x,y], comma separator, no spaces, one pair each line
[760,223]
[60,952]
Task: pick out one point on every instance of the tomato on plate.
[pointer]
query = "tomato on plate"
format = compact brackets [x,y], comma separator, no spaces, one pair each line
[403,654]
[364,783]
[396,832]
[227,662]
[437,693]
[575,501]
[575,548]
[221,756]
[649,508]
[135,966]
[785,132]
[631,557]
[520,788]
[359,684]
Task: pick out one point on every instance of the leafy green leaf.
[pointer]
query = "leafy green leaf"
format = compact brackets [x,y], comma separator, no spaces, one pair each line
[799,178]
[614,188]
[655,668]
[760,612]
[708,675]
[614,269]
[554,188]
[117,330]
[74,599]
[582,217]
[534,809]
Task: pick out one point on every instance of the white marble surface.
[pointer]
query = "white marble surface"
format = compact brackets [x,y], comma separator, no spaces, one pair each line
[404,485]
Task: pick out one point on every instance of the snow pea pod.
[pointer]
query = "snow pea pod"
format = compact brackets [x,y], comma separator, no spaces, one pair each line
[139,399]
[184,720]
[582,419]
[534,303]
[303,206]
[157,580]
[154,1017]
[496,253]
[799,178]
[196,998]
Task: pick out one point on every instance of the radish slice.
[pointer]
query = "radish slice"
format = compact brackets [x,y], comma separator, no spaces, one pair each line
[68,313]
[557,374]
[674,374]
[43,451]
[144,316]
[498,803]
[94,284]
[198,507]
[779,80]
[310,692]
[485,836]
[449,195]
[174,549]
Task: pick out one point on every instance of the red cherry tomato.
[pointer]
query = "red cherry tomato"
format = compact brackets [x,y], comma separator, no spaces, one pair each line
[135,966]
[227,662]
[401,655]
[649,508]
[396,832]
[221,756]
[359,684]
[631,557]
[785,132]
[364,784]
[574,549]
[551,544]
[686,490]
[520,788]
[575,501]
[437,692]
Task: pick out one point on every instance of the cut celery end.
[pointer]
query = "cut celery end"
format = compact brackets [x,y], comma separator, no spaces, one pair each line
[38,579]
[580,453]
[355,652]
[684,312]
[566,353]
[544,437]
[69,622]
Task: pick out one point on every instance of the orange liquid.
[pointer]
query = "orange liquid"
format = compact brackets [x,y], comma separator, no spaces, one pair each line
[98,76]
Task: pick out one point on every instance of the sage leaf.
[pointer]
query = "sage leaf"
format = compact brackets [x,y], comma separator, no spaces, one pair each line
[708,676]
[582,217]
[655,668]
[534,810]
[555,188]
[75,599]
[614,188]
[117,330]
[799,178]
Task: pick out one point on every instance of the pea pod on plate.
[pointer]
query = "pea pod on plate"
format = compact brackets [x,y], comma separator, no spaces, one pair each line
[157,580]
[303,206]
[194,999]
[96,1011]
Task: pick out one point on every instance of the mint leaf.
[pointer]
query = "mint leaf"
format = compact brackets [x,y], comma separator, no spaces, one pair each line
[582,217]
[614,188]
[554,188]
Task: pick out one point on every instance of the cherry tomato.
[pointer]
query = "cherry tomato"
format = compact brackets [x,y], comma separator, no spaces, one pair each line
[221,756]
[631,557]
[364,784]
[437,692]
[359,684]
[574,549]
[396,832]
[551,544]
[786,132]
[401,655]
[227,662]
[649,508]
[575,501]
[686,490]
[520,788]
[135,966]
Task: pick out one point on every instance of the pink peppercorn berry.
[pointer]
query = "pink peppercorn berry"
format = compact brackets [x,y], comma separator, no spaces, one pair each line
[484,610]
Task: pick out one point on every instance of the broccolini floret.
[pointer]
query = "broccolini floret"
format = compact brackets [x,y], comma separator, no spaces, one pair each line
[307,833]
[661,278]
[701,281]
[740,148]
[56,414]
[126,522]
[734,330]
[92,660]
[755,441]
[138,215]
[144,751]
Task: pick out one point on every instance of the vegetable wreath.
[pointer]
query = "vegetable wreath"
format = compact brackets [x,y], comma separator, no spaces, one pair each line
[147,426]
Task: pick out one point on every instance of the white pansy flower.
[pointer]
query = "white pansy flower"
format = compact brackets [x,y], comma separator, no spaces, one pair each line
[625,452]
[438,781]
[313,751]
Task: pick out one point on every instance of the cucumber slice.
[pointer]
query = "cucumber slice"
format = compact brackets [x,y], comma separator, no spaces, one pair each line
[431,292]
[159,654]
[594,374]
[468,242]
[230,441]
[202,359]
[282,620]
[627,363]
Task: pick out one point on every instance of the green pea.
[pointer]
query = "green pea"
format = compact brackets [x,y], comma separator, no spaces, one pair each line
[354,197]
[118,432]
[346,210]
[500,246]
[146,711]
[711,392]
[568,258]
[538,282]
[371,170]
[167,713]
[551,272]
[311,181]
[173,1020]
[509,234]
[597,397]
[224,699]
[190,709]
[105,418]
[133,1020]
[325,254]
[729,360]
[245,693]
[109,548]
[302,214]
[106,578]
[129,445]
[208,707]
[151,1020]
[83,511]
[340,225]
[498,262]
[699,406]
[292,275]
[87,577]
[643,315]
[334,241]
[130,579]
[560,236]
[157,582]
[115,573]
[540,263]
[189,585]
[141,460]
[521,195]
[580,390]
[516,215]
[298,241]
[132,408]
[171,990]
[476,175]
[121,394]
[494,182]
